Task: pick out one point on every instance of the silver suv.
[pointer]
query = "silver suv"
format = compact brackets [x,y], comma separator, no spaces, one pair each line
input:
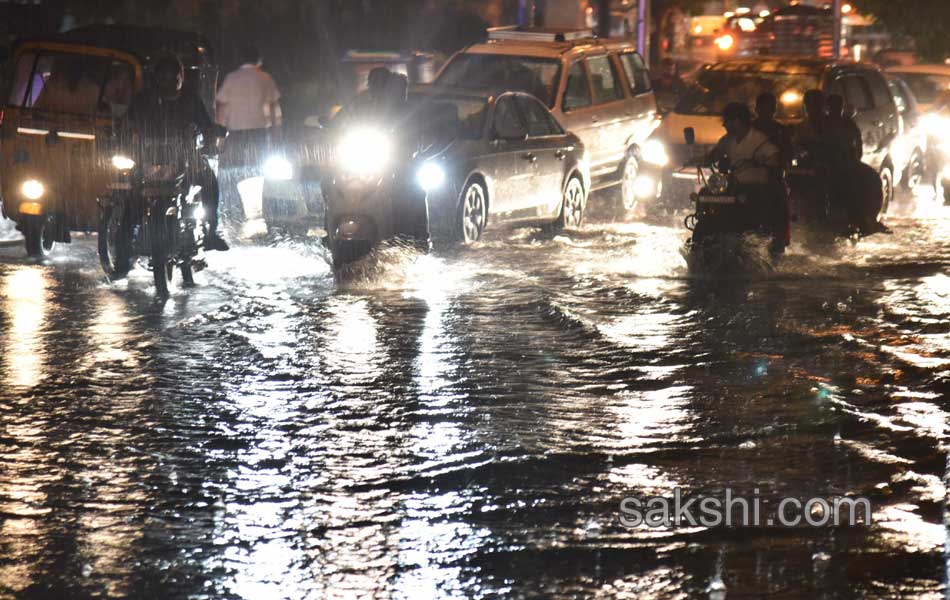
[598,89]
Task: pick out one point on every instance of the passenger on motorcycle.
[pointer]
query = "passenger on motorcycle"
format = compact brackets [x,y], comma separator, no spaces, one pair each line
[164,117]
[766,106]
[756,164]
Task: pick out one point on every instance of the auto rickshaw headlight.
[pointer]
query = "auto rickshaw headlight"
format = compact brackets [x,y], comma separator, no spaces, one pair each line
[431,176]
[123,163]
[364,152]
[278,168]
[33,189]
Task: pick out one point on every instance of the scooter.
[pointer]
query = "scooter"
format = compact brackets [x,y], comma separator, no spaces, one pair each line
[373,196]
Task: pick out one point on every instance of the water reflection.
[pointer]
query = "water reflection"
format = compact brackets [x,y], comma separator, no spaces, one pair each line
[25,304]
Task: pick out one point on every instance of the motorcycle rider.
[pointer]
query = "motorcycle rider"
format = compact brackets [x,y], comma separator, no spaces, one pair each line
[756,164]
[164,115]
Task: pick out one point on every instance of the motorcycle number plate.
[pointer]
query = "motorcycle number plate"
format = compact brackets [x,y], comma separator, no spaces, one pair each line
[717,200]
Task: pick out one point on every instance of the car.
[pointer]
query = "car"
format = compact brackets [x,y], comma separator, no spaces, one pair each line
[862,86]
[597,88]
[930,87]
[292,196]
[497,159]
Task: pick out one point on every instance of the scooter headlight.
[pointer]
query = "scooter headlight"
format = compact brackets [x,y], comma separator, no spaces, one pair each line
[431,176]
[278,168]
[364,152]
[122,162]
[32,189]
[654,152]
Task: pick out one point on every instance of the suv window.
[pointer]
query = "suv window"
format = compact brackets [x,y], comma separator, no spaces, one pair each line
[879,92]
[603,79]
[508,124]
[637,73]
[856,93]
[577,94]
[539,120]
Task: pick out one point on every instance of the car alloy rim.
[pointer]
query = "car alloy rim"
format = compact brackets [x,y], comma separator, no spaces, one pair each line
[629,184]
[573,203]
[473,217]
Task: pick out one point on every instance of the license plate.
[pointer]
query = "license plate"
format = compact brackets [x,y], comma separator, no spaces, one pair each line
[717,200]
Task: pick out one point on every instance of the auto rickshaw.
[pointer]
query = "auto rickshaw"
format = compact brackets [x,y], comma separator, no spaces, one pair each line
[64,97]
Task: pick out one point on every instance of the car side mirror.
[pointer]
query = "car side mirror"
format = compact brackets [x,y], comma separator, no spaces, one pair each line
[689,134]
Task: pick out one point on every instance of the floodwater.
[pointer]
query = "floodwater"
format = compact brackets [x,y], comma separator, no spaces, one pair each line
[467,425]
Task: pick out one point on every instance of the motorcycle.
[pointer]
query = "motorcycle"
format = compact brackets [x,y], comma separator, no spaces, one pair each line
[372,196]
[153,212]
[724,223]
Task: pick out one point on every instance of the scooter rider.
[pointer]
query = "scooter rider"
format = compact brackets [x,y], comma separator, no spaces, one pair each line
[756,164]
[166,116]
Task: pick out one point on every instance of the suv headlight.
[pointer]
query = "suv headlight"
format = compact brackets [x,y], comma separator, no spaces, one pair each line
[654,152]
[278,168]
[364,152]
[32,189]
[122,162]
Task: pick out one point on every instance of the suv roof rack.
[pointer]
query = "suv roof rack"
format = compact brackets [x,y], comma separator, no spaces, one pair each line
[538,34]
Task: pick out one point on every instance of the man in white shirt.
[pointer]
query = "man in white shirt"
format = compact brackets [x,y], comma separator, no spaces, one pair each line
[247,104]
[756,163]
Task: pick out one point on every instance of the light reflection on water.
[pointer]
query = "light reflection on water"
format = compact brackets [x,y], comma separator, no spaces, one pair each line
[467,425]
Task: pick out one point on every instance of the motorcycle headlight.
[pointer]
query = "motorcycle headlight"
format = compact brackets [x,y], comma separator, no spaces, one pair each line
[278,168]
[122,162]
[654,152]
[364,152]
[431,176]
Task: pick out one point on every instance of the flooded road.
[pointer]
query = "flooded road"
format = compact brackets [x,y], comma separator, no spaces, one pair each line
[467,426]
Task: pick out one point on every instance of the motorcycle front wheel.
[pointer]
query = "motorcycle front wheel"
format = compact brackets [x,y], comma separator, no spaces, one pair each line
[162,239]
[115,240]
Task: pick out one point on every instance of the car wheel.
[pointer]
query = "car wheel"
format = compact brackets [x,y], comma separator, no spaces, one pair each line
[887,189]
[628,184]
[572,205]
[914,174]
[473,213]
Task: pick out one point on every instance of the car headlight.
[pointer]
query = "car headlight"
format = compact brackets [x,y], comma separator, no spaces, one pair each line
[654,152]
[278,168]
[123,163]
[431,176]
[364,152]
[32,189]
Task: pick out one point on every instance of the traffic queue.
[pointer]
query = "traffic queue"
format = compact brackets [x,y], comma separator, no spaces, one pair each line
[523,129]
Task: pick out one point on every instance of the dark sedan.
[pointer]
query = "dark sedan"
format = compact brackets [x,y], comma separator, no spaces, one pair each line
[497,159]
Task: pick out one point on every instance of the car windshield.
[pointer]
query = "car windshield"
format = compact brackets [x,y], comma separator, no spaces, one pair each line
[926,86]
[713,90]
[447,117]
[495,72]
[71,83]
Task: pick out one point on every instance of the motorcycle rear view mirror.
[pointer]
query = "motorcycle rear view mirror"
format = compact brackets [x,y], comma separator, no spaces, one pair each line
[689,134]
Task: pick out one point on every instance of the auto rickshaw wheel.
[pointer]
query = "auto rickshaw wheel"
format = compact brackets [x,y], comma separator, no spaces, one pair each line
[115,241]
[38,233]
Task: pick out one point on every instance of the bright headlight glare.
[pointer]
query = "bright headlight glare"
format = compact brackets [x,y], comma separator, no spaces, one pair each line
[123,163]
[33,189]
[644,186]
[654,152]
[431,176]
[278,168]
[364,152]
